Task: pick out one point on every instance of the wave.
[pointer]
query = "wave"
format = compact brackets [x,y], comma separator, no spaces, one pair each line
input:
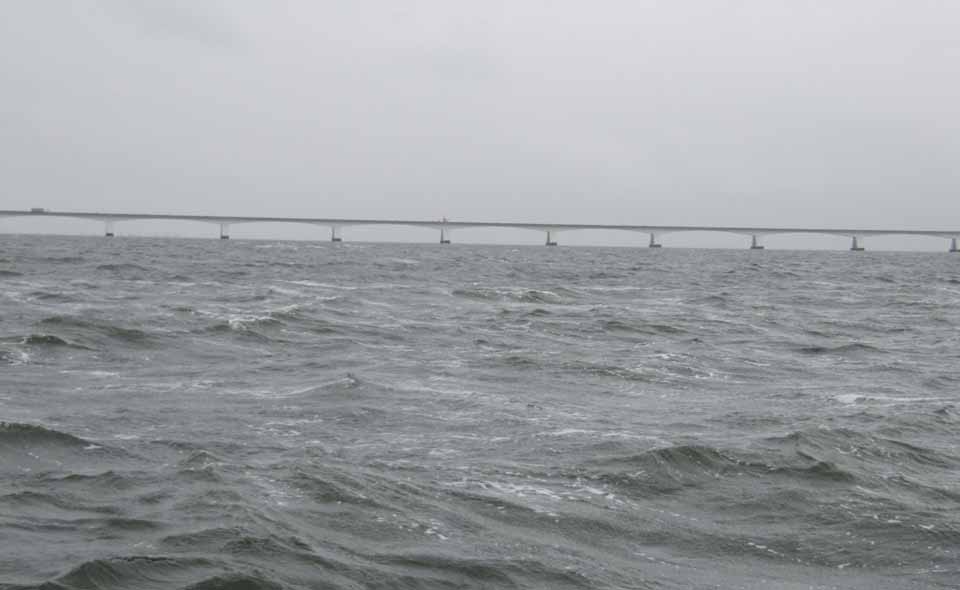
[110,480]
[235,582]
[200,459]
[669,469]
[122,267]
[350,388]
[138,571]
[26,500]
[246,546]
[515,360]
[942,382]
[13,357]
[842,349]
[718,299]
[203,466]
[245,323]
[52,297]
[207,540]
[82,328]
[933,420]
[9,273]
[243,545]
[288,312]
[20,435]
[44,451]
[641,328]
[256,546]
[663,470]
[265,325]
[514,295]
[50,341]
[614,371]
[816,470]
[865,449]
[333,487]
[254,330]
[447,571]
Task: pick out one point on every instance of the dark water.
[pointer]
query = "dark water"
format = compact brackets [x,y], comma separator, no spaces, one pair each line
[198,414]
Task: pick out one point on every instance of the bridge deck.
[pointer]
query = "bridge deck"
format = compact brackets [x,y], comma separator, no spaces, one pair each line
[438,224]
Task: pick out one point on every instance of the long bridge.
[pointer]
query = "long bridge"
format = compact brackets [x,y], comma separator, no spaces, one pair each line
[446,227]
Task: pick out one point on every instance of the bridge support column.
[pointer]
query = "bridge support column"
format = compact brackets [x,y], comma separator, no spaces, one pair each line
[445,235]
[108,228]
[755,243]
[335,235]
[953,245]
[857,245]
[551,241]
[653,242]
[224,231]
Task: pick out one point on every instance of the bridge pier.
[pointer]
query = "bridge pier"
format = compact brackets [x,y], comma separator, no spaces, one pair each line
[108,228]
[445,235]
[224,231]
[755,243]
[653,242]
[953,245]
[551,241]
[857,245]
[335,234]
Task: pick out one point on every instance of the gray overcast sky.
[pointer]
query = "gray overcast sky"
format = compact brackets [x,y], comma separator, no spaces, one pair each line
[766,112]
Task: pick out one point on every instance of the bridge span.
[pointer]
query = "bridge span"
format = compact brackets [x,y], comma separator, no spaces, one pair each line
[446,227]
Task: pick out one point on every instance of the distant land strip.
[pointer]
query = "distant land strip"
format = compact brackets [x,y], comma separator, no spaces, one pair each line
[446,227]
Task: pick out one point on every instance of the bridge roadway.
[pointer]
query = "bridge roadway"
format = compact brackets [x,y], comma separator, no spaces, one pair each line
[446,227]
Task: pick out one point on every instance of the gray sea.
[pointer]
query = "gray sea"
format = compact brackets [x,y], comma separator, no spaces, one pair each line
[242,415]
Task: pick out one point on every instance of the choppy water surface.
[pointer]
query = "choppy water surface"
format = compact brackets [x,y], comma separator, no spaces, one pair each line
[198,414]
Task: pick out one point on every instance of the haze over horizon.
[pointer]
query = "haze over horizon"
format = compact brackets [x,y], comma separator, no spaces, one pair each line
[665,113]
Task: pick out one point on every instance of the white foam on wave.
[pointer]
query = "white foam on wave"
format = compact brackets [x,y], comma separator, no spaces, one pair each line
[849,398]
[302,390]
[295,421]
[95,373]
[15,296]
[613,288]
[282,246]
[529,492]
[274,491]
[567,432]
[285,309]
[16,356]
[283,291]
[306,283]
[522,490]
[242,322]
[885,400]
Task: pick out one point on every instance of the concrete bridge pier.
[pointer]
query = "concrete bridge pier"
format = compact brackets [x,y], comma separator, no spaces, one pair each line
[335,235]
[653,242]
[755,243]
[551,240]
[857,245]
[445,235]
[953,245]
[224,231]
[108,228]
